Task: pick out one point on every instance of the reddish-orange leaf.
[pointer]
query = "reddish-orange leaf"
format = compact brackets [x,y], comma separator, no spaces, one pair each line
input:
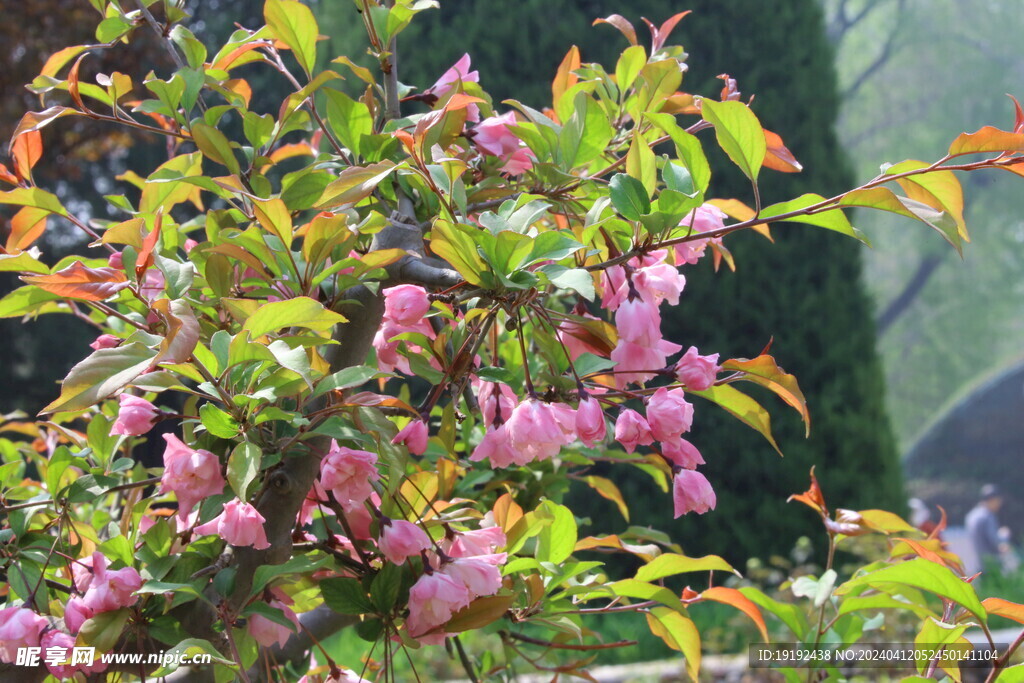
[812,497]
[621,23]
[227,62]
[26,227]
[78,281]
[26,151]
[240,87]
[666,29]
[987,139]
[565,78]
[1004,608]
[1018,118]
[295,149]
[181,331]
[921,550]
[145,258]
[778,156]
[733,598]
[76,96]
[461,101]
[7,176]
[507,512]
[369,399]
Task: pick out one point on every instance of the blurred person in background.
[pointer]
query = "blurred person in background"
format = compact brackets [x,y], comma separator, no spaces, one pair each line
[990,540]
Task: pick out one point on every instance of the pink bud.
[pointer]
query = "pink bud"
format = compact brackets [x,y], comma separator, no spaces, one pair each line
[400,540]
[349,474]
[631,429]
[697,372]
[682,453]
[135,417]
[406,304]
[192,475]
[669,414]
[240,524]
[116,260]
[105,341]
[590,423]
[189,245]
[413,436]
[691,492]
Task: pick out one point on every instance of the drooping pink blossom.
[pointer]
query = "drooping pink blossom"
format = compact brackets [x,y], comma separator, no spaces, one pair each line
[135,417]
[637,363]
[482,541]
[432,600]
[590,424]
[669,414]
[349,474]
[538,430]
[413,436]
[495,448]
[76,612]
[638,322]
[406,304]
[493,136]
[519,161]
[192,475]
[240,524]
[105,341]
[269,633]
[19,627]
[682,453]
[704,218]
[54,642]
[692,492]
[497,401]
[400,540]
[631,430]
[697,372]
[480,574]
[659,282]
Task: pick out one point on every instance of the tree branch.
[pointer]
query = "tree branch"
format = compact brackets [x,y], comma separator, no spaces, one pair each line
[915,285]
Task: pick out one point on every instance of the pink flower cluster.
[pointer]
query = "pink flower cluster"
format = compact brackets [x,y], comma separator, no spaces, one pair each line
[704,218]
[404,309]
[469,568]
[349,474]
[20,627]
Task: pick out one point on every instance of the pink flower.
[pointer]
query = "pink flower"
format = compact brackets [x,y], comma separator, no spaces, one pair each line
[697,372]
[682,453]
[432,601]
[458,72]
[537,431]
[483,541]
[349,474]
[116,260]
[497,401]
[691,492]
[638,322]
[631,429]
[269,633]
[659,282]
[76,612]
[496,449]
[400,540]
[135,417]
[113,589]
[704,218]
[406,304]
[578,338]
[413,436]
[492,135]
[105,341]
[19,627]
[54,640]
[590,423]
[479,574]
[519,161]
[189,244]
[614,287]
[669,414]
[637,363]
[240,524]
[192,475]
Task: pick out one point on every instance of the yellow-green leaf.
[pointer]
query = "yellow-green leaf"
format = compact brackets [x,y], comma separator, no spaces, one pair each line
[294,25]
[298,312]
[739,133]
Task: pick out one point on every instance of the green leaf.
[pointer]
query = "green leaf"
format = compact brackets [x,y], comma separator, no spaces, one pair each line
[455,243]
[629,197]
[346,596]
[27,299]
[185,651]
[833,219]
[258,129]
[298,312]
[33,196]
[670,564]
[294,25]
[739,133]
[104,629]
[295,359]
[884,199]
[688,149]
[214,145]
[641,164]
[385,587]
[101,374]
[584,137]
[937,189]
[558,538]
[349,377]
[788,613]
[217,422]
[745,409]
[926,575]
[355,183]
[628,67]
[349,119]
[24,262]
[576,279]
[642,590]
